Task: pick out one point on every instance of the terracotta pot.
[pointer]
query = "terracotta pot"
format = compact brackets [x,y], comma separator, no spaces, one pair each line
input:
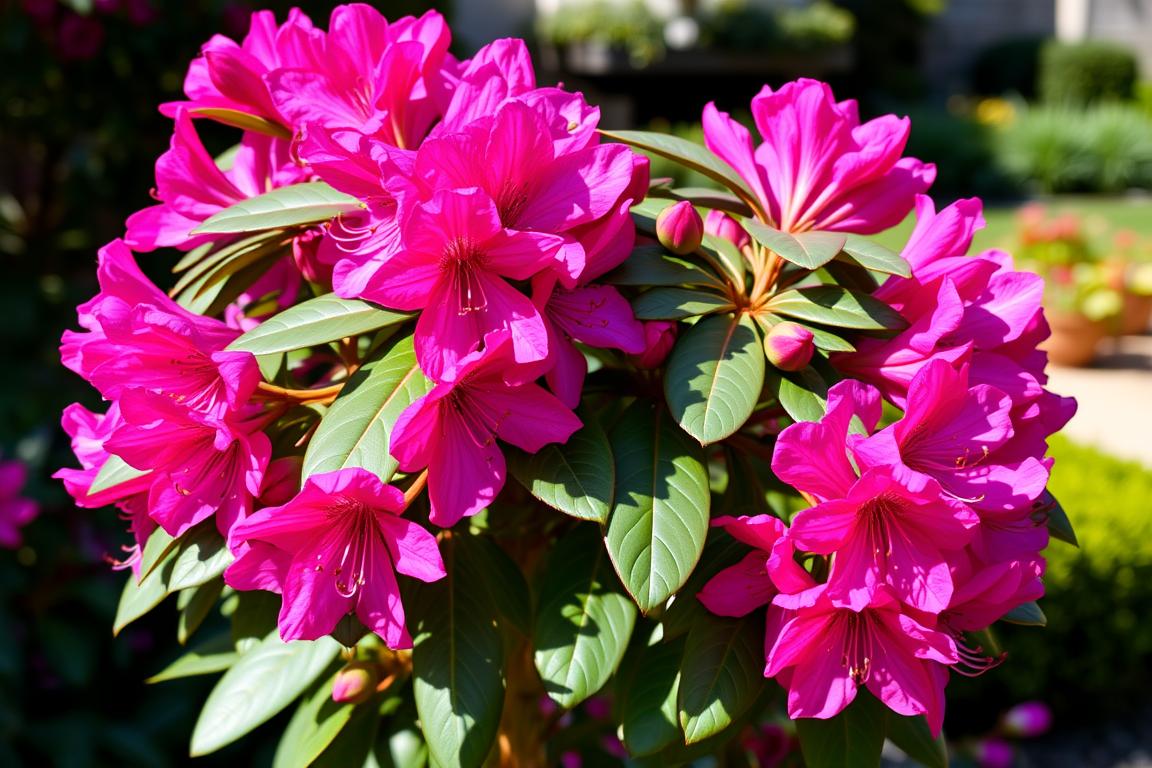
[1074,338]
[1136,314]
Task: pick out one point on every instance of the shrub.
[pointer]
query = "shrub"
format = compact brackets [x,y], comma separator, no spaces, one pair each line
[1083,73]
[962,150]
[1007,67]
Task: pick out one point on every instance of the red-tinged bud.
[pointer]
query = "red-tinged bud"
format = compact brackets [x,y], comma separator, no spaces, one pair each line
[789,346]
[659,337]
[1032,718]
[355,683]
[720,224]
[679,228]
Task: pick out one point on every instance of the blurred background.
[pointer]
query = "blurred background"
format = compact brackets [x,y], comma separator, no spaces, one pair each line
[1041,107]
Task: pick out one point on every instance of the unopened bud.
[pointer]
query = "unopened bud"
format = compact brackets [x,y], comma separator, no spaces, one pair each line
[720,224]
[680,228]
[659,337]
[355,683]
[1031,718]
[789,346]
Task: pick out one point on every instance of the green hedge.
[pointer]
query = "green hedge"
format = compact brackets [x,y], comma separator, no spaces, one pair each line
[1075,74]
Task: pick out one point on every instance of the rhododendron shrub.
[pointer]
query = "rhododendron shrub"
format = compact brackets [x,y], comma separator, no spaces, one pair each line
[452,422]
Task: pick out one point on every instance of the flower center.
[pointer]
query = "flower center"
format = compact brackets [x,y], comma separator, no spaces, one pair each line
[857,656]
[359,525]
[511,202]
[461,261]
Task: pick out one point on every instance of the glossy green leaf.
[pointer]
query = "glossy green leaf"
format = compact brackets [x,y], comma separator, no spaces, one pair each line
[912,736]
[721,674]
[357,427]
[211,656]
[315,724]
[871,255]
[677,304]
[837,307]
[578,478]
[704,197]
[821,338]
[308,203]
[505,582]
[316,321]
[353,745]
[851,739]
[648,712]
[584,620]
[201,556]
[114,472]
[714,377]
[263,681]
[195,603]
[800,395]
[1028,614]
[660,516]
[243,120]
[1059,526]
[457,661]
[727,255]
[195,280]
[651,265]
[138,599]
[810,250]
[686,153]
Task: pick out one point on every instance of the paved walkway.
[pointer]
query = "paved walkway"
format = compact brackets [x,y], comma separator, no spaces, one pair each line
[1115,397]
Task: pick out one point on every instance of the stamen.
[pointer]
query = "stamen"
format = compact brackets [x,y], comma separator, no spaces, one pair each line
[858,649]
[359,526]
[461,260]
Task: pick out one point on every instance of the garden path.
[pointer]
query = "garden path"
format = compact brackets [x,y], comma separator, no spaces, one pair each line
[1115,397]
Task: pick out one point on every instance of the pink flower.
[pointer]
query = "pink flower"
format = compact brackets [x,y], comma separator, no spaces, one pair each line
[1032,718]
[720,224]
[822,653]
[453,429]
[89,431]
[336,548]
[138,338]
[15,510]
[452,264]
[819,167]
[202,465]
[761,574]
[659,338]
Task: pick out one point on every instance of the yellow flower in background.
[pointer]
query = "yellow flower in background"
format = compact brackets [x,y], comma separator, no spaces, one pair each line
[995,111]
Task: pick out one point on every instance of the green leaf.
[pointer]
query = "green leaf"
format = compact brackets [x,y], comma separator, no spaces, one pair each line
[1059,526]
[660,516]
[677,304]
[727,254]
[457,661]
[263,681]
[810,250]
[157,549]
[715,374]
[688,154]
[851,739]
[243,121]
[138,599]
[802,395]
[584,619]
[315,724]
[648,719]
[195,604]
[821,338]
[356,430]
[353,745]
[211,656]
[307,203]
[704,197]
[721,550]
[721,674]
[114,472]
[201,556]
[651,265]
[316,321]
[1027,614]
[837,307]
[871,255]
[227,259]
[505,582]
[912,736]
[577,478]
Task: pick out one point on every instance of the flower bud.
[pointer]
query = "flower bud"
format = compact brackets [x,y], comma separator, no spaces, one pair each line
[680,228]
[1031,718]
[355,683]
[720,224]
[789,346]
[659,337]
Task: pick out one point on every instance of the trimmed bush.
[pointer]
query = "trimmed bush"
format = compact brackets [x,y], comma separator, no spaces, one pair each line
[1076,74]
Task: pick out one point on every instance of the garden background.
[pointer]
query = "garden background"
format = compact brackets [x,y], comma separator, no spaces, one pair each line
[1055,136]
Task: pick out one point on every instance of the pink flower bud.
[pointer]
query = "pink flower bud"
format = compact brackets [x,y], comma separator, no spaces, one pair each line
[789,346]
[679,228]
[355,683]
[720,224]
[1031,718]
[659,336]
[994,753]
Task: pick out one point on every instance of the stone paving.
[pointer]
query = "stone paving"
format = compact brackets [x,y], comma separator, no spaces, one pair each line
[1115,398]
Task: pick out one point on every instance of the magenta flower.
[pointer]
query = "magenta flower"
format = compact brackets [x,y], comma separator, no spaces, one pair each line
[822,653]
[202,465]
[818,166]
[335,549]
[761,574]
[15,510]
[453,429]
[659,338]
[139,338]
